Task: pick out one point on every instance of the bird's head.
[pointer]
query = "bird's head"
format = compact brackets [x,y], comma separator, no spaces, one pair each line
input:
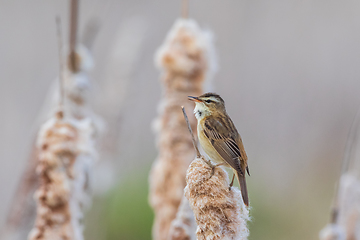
[208,104]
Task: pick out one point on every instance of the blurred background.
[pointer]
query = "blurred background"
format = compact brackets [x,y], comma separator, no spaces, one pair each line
[288,71]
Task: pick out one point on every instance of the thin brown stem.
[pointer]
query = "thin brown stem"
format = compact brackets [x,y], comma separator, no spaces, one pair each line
[61,63]
[191,132]
[74,9]
[185,9]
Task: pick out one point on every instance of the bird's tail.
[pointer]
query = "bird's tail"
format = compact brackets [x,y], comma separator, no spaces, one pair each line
[243,188]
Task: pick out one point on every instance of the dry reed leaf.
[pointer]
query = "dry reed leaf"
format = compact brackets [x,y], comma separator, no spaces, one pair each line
[22,210]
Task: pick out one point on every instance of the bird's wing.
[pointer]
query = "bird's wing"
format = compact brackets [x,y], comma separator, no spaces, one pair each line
[223,138]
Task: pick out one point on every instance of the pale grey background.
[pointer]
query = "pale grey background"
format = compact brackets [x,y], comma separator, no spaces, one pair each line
[288,71]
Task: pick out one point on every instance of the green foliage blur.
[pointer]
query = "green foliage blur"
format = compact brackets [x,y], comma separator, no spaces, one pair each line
[124,213]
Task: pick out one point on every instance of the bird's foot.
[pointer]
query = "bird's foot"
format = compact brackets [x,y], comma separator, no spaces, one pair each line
[232,182]
[208,162]
[213,168]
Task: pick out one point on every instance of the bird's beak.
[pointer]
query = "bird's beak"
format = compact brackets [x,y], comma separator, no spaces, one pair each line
[195,99]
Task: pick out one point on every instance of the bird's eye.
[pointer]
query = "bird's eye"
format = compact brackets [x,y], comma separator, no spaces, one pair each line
[208,101]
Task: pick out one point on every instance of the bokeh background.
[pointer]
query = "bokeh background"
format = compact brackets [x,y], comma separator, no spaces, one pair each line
[288,71]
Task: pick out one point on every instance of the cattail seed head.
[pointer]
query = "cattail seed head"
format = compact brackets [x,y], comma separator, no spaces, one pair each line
[184,59]
[219,212]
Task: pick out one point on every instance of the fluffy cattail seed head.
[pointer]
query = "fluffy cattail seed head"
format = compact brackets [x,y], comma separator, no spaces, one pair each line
[219,212]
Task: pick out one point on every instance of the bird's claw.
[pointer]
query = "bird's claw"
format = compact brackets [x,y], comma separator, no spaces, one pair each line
[213,168]
[212,171]
[232,182]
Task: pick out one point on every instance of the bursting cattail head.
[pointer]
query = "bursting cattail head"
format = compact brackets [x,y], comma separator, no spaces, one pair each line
[187,49]
[66,152]
[219,212]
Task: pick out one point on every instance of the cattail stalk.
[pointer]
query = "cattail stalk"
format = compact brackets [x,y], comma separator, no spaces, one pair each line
[22,211]
[74,12]
[77,106]
[185,61]
[66,146]
[219,211]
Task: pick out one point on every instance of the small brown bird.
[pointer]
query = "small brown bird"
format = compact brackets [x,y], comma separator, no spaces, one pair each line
[219,137]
